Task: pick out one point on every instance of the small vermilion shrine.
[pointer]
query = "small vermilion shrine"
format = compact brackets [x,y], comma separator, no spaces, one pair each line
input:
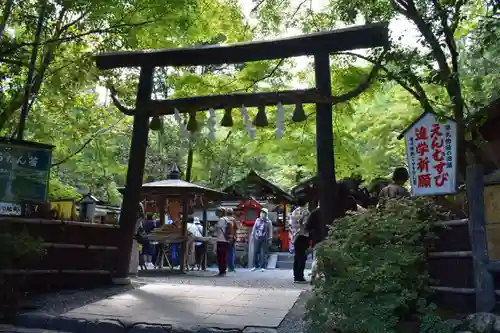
[255,193]
[249,211]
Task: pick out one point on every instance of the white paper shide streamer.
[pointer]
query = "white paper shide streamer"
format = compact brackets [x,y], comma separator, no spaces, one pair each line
[280,121]
[247,123]
[211,122]
[182,129]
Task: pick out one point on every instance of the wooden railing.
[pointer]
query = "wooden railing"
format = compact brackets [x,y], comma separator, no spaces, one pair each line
[77,253]
[450,266]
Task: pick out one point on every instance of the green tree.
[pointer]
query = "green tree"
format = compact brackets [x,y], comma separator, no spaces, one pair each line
[92,140]
[429,70]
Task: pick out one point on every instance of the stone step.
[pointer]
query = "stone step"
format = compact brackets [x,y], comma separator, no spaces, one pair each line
[272,261]
[289,258]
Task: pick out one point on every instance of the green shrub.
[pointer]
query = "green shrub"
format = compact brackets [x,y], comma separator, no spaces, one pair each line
[373,269]
[16,250]
[18,247]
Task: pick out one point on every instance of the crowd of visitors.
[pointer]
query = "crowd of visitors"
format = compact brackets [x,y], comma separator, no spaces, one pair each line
[305,228]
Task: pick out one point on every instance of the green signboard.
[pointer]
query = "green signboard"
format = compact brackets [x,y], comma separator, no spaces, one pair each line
[24,171]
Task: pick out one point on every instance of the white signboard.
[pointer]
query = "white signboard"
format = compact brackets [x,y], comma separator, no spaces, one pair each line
[431,149]
[11,209]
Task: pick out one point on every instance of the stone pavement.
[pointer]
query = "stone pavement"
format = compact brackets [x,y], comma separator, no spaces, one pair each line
[170,304]
[12,329]
[199,302]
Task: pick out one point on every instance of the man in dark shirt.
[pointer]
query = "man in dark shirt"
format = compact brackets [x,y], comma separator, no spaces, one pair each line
[314,227]
[317,232]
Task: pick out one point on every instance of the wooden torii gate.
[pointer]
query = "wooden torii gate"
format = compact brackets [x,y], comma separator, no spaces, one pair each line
[320,45]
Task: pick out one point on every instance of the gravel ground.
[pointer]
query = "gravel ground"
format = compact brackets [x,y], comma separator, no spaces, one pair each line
[61,302]
[294,320]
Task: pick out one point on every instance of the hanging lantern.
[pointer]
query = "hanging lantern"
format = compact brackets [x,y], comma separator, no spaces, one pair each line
[227,120]
[261,118]
[299,114]
[192,125]
[156,124]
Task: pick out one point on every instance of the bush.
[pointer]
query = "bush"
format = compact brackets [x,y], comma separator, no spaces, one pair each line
[16,250]
[373,269]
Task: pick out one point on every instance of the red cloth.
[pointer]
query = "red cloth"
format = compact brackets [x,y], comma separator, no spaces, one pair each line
[222,256]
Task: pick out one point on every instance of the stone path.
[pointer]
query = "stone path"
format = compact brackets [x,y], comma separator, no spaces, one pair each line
[194,305]
[198,302]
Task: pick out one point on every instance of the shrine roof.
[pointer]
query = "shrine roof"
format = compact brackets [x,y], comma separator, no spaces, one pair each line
[356,37]
[311,181]
[253,178]
[175,187]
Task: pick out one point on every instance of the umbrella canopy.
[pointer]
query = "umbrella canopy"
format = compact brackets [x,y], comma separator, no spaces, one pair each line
[177,187]
[174,186]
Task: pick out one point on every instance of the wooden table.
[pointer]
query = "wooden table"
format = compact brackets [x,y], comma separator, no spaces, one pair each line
[166,240]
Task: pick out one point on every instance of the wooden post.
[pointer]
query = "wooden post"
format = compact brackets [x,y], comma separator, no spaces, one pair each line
[285,225]
[205,234]
[183,254]
[285,217]
[326,183]
[135,172]
[483,280]
[161,207]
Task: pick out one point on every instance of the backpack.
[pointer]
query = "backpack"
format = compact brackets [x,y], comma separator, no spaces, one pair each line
[141,236]
[230,232]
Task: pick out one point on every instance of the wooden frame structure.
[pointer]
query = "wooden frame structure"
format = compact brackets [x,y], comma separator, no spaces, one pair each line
[320,45]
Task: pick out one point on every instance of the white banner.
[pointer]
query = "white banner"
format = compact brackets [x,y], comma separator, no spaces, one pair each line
[431,149]
[10,209]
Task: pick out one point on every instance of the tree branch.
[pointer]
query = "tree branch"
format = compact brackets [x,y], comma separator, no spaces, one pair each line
[363,85]
[455,20]
[116,102]
[58,40]
[412,14]
[112,29]
[7,10]
[419,93]
[257,6]
[264,77]
[95,135]
[297,10]
[448,33]
[15,62]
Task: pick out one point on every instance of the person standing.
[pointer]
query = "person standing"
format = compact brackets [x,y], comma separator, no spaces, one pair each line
[317,232]
[222,243]
[199,250]
[300,239]
[261,234]
[148,248]
[136,259]
[231,230]
[395,189]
